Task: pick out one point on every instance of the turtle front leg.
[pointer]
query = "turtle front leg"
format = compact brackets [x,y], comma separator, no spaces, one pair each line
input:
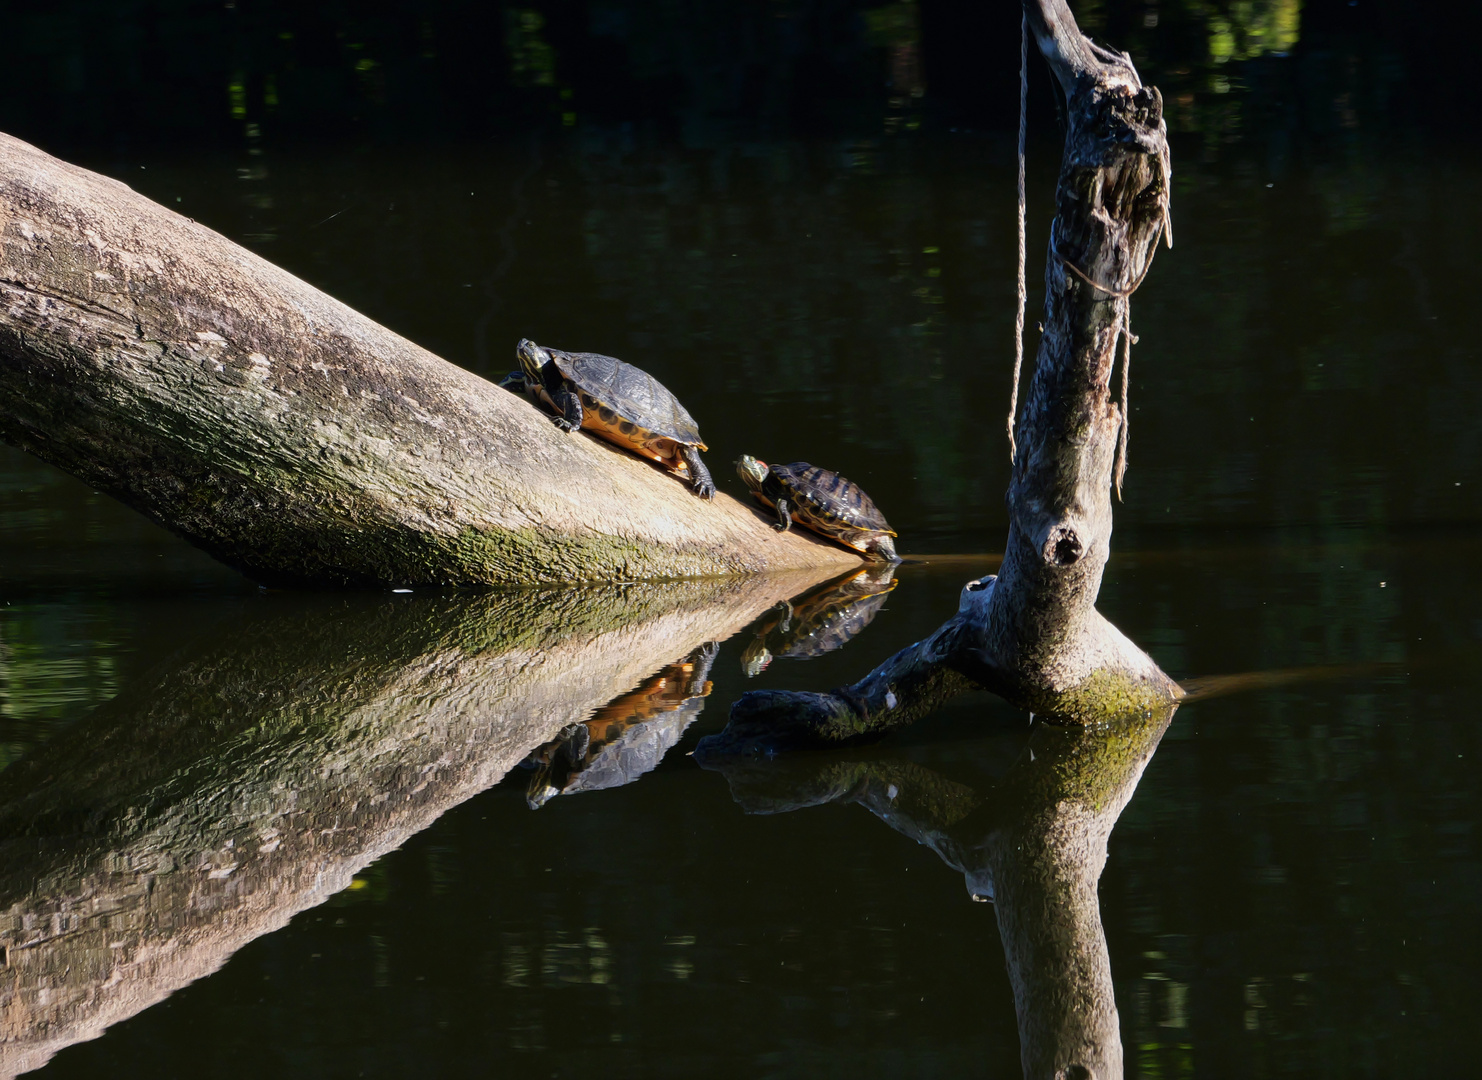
[784,519]
[569,403]
[563,396]
[700,482]
[704,660]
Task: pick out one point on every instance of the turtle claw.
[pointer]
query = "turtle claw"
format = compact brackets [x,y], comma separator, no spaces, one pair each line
[564,424]
[700,482]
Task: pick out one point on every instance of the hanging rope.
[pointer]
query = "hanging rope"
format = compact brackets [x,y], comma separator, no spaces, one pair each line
[1120,469]
[1023,292]
[1124,311]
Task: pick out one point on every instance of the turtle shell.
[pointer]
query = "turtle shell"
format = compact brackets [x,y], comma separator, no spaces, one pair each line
[638,750]
[631,392]
[823,497]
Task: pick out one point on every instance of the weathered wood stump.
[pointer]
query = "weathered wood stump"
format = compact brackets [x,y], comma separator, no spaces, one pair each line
[1033,634]
[1037,634]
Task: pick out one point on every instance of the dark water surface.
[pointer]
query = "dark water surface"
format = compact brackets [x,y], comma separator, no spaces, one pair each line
[270,832]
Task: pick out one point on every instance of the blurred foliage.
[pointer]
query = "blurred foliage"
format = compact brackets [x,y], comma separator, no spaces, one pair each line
[1251,29]
[101,77]
[56,664]
[532,61]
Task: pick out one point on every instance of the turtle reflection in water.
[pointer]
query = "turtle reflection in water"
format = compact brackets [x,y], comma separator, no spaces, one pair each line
[625,738]
[822,500]
[819,621]
[624,404]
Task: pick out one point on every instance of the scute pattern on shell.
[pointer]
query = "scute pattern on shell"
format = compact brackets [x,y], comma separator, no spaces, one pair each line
[631,392]
[822,491]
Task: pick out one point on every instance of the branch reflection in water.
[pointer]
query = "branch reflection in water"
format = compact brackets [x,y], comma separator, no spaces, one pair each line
[256,773]
[1034,843]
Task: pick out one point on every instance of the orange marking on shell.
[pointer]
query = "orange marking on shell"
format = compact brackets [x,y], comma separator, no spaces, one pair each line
[661,449]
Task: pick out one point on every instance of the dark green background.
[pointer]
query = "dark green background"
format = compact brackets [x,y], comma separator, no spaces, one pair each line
[820,263]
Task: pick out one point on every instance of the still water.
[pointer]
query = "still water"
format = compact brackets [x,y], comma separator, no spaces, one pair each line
[247,831]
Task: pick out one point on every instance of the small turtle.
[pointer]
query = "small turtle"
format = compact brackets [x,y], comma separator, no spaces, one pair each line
[823,501]
[623,404]
[820,620]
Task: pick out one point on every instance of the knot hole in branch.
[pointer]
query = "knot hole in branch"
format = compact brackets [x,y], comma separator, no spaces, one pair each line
[1148,105]
[1063,548]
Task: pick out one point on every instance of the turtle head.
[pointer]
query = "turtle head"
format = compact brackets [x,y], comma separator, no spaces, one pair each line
[532,358]
[751,470]
[540,792]
[884,546]
[755,659]
[876,577]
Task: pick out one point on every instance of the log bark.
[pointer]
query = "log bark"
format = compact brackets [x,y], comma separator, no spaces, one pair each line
[296,439]
[253,776]
[1034,843]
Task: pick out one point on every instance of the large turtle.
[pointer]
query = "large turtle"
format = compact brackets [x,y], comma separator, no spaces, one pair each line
[820,620]
[823,501]
[623,404]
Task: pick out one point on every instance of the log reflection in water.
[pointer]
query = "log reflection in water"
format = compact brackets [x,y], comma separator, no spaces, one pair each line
[251,778]
[1034,842]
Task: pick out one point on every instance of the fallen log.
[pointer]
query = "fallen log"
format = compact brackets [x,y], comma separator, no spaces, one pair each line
[297,440]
